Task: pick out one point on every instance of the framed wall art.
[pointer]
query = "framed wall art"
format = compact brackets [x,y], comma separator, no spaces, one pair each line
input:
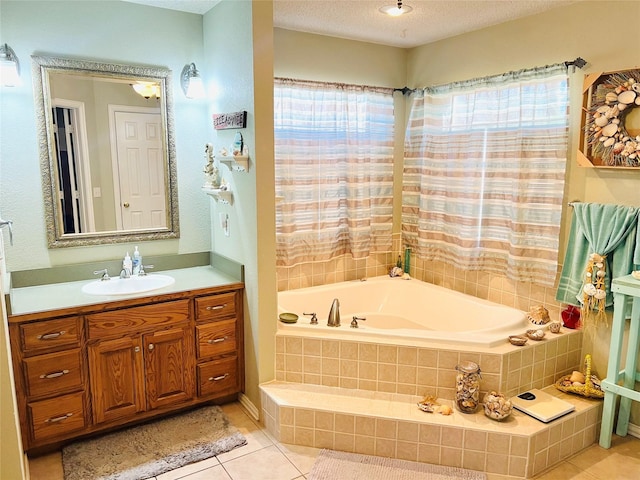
[610,126]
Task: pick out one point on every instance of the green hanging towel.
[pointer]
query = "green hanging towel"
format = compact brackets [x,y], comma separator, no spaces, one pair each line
[609,230]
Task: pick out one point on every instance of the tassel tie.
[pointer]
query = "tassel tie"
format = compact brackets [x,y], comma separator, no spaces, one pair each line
[594,291]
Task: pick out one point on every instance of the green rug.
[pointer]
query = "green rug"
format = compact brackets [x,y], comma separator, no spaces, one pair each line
[147,450]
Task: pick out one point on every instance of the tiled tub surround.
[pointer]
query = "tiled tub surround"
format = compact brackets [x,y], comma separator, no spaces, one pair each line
[405,368]
[391,425]
[360,396]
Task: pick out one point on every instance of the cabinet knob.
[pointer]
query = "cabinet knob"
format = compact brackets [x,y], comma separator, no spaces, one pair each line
[151,346]
[136,349]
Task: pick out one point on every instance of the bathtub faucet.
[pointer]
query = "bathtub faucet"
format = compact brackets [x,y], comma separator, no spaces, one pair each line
[334,314]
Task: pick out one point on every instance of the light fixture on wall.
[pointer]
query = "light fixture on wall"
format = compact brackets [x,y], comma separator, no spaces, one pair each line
[396,10]
[147,89]
[191,82]
[9,67]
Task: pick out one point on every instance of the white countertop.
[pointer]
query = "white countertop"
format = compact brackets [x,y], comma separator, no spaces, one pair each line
[56,296]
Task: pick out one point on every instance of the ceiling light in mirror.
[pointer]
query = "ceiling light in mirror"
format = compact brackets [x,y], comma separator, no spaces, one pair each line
[396,10]
[147,89]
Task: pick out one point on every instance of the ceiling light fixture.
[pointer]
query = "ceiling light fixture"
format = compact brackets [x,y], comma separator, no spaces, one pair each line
[9,67]
[147,89]
[191,82]
[396,10]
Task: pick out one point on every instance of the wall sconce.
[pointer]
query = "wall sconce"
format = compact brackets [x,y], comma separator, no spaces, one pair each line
[9,67]
[396,10]
[191,82]
[147,89]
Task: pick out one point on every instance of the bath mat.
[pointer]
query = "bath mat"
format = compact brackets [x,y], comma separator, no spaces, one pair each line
[332,465]
[153,448]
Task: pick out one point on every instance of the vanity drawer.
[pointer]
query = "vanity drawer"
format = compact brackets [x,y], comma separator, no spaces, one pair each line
[48,334]
[57,416]
[216,338]
[214,307]
[53,372]
[137,319]
[218,377]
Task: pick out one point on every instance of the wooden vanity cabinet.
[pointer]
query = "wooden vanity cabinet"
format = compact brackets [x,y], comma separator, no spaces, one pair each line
[140,359]
[115,364]
[218,344]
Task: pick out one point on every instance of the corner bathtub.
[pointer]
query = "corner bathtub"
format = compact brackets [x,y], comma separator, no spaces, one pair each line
[408,309]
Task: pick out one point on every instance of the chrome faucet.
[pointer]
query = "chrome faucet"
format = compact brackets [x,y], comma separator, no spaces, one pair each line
[125,273]
[334,314]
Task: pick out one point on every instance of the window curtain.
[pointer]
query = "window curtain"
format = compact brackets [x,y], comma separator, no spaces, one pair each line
[484,173]
[334,170]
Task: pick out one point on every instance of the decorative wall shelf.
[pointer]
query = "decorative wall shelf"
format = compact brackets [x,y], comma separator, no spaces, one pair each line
[240,163]
[224,196]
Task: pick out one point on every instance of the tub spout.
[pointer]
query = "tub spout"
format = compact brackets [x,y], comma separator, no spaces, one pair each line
[334,314]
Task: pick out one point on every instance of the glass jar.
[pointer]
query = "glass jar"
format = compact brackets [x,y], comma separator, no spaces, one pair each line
[467,387]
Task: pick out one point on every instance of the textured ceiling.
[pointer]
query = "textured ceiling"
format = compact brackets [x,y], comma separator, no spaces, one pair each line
[430,20]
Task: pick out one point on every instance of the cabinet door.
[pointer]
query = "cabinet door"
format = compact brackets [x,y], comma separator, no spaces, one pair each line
[116,371]
[169,366]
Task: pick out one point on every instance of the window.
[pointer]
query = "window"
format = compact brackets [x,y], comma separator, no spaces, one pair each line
[333,165]
[484,173]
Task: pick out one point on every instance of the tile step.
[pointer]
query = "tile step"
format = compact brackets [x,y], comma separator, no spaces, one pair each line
[391,425]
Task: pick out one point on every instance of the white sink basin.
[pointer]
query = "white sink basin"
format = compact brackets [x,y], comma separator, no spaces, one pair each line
[125,286]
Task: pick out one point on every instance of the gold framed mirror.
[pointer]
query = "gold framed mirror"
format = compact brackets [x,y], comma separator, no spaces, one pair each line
[107,151]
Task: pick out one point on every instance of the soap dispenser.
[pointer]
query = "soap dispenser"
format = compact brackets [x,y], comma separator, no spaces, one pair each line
[137,261]
[127,264]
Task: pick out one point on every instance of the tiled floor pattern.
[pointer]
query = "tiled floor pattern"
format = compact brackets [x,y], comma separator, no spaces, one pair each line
[265,459]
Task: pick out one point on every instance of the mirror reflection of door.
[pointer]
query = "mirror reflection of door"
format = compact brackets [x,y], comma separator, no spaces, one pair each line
[74,178]
[138,167]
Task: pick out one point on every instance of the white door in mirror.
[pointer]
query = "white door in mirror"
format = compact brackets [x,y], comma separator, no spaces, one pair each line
[125,286]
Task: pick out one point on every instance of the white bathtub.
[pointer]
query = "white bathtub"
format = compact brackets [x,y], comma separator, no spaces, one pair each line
[408,309]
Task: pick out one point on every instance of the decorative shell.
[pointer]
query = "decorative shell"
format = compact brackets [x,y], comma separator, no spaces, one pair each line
[429,404]
[535,334]
[496,405]
[627,97]
[517,340]
[554,327]
[539,315]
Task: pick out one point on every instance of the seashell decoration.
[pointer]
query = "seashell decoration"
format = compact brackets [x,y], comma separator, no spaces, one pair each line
[467,387]
[538,315]
[594,291]
[517,340]
[607,135]
[554,327]
[496,405]
[430,404]
[536,335]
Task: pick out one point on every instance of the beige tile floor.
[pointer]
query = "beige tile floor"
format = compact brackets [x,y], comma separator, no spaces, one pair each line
[263,458]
